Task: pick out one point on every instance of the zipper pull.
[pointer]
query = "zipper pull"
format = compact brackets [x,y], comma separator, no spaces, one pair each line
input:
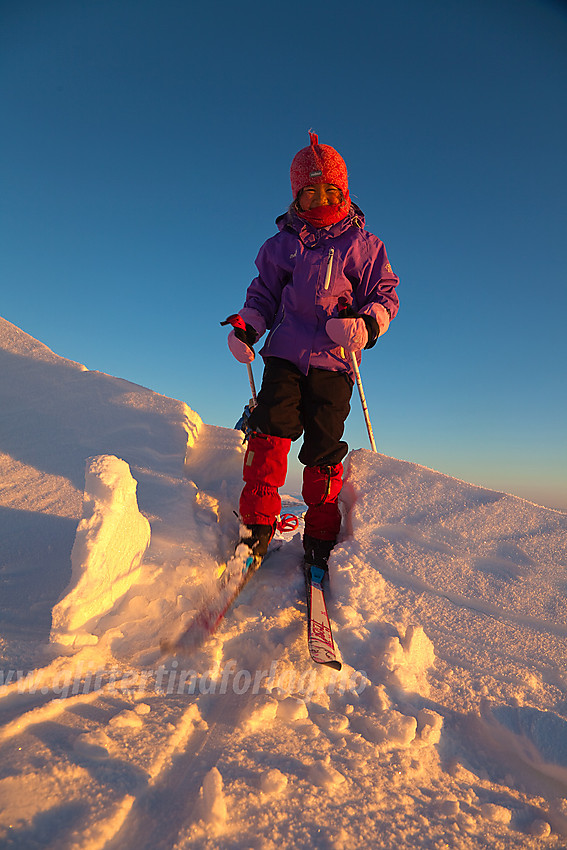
[329,267]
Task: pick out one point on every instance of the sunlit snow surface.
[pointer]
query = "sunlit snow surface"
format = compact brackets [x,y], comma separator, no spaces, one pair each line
[446,728]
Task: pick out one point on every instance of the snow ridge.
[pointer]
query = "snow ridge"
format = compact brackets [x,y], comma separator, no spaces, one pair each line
[443,729]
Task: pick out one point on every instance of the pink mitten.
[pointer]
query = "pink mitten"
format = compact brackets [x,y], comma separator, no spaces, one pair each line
[239,349]
[350,334]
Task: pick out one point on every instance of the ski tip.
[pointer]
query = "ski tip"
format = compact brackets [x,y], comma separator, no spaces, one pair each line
[334,663]
[324,657]
[166,647]
[179,647]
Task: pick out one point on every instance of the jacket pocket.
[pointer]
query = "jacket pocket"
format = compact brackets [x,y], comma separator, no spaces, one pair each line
[274,329]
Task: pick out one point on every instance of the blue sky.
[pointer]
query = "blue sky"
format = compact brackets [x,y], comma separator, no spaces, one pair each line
[145,154]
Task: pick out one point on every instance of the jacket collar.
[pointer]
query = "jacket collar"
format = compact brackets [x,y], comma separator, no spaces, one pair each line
[310,235]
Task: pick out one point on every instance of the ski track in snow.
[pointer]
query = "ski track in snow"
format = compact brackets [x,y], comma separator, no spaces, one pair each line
[446,728]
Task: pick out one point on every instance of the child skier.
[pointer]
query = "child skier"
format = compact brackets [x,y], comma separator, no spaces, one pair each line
[325,289]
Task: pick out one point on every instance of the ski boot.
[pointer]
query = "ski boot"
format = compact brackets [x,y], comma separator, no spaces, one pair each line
[316,552]
[257,541]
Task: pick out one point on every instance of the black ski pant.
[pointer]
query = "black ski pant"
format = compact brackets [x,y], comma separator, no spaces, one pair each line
[316,405]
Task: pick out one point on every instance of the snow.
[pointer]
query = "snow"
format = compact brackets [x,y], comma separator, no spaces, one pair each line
[110,542]
[445,728]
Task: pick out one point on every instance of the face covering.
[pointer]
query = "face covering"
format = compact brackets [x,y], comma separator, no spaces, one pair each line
[326,215]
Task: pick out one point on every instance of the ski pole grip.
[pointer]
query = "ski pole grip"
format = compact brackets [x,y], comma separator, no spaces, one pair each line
[236,321]
[239,324]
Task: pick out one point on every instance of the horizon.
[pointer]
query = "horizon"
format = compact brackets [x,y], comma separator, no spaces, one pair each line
[287,491]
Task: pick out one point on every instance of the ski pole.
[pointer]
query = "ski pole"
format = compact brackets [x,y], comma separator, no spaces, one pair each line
[363,401]
[345,312]
[238,322]
[252,384]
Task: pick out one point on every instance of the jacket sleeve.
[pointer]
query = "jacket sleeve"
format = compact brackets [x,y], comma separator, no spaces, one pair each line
[263,296]
[376,295]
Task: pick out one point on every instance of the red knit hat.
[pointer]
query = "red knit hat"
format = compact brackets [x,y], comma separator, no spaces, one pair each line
[318,164]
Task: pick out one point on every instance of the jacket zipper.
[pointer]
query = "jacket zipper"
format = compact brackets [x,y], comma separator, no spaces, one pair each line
[329,267]
[330,256]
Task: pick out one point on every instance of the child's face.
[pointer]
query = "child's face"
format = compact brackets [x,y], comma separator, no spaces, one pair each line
[320,195]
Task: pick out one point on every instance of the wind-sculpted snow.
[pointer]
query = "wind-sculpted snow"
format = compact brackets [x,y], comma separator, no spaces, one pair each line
[54,414]
[110,542]
[445,727]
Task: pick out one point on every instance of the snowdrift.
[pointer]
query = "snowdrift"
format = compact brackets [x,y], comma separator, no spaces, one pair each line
[446,726]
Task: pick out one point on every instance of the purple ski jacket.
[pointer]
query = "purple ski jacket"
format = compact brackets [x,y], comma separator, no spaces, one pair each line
[303,272]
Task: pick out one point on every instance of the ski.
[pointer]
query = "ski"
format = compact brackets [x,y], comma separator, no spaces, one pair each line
[234,577]
[319,634]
